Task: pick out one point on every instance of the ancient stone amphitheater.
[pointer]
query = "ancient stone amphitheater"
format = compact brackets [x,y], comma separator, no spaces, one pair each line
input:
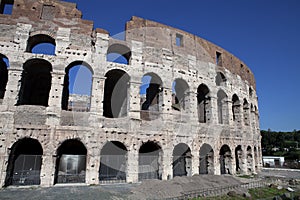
[171,103]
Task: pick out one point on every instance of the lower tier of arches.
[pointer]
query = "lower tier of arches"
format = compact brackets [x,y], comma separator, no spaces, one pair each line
[29,161]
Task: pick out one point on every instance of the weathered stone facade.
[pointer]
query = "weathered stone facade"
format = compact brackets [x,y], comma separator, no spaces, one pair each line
[198,115]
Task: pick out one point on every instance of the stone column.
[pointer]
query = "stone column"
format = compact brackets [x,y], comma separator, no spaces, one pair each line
[13,85]
[167,165]
[48,170]
[132,166]
[195,162]
[134,100]
[92,167]
[97,94]
[55,98]
[214,110]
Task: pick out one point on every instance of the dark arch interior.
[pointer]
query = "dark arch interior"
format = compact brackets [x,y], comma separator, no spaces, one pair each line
[35,83]
[220,78]
[152,86]
[70,162]
[206,160]
[76,75]
[150,161]
[238,158]
[181,159]
[3,76]
[119,53]
[113,161]
[225,159]
[116,94]
[203,100]
[41,43]
[235,107]
[24,164]
[180,92]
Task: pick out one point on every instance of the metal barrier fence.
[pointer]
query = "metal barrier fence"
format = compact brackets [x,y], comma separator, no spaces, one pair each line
[217,191]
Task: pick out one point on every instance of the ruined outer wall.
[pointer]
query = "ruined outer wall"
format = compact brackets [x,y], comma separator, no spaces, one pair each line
[153,50]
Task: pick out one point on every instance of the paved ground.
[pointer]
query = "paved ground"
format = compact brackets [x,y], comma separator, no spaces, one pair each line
[147,190]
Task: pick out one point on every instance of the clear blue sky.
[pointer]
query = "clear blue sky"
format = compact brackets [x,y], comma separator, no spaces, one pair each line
[265,34]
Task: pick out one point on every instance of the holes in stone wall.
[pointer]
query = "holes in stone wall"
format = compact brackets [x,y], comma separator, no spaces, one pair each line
[116,96]
[35,83]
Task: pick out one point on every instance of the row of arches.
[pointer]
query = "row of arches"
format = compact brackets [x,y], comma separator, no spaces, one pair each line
[26,160]
[36,82]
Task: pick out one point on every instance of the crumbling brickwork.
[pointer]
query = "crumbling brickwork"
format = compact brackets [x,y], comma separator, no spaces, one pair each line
[197,114]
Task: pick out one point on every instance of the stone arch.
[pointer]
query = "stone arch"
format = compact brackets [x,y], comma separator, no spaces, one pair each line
[113,162]
[151,96]
[220,79]
[222,107]
[225,160]
[41,43]
[203,103]
[206,165]
[238,159]
[4,64]
[24,163]
[249,160]
[246,112]
[255,158]
[150,161]
[120,53]
[70,162]
[77,74]
[180,94]
[182,160]
[235,108]
[35,83]
[116,95]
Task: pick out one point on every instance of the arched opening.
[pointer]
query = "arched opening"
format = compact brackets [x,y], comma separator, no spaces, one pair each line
[35,83]
[250,91]
[236,108]
[220,79]
[70,162]
[249,160]
[77,87]
[246,113]
[225,160]
[203,103]
[116,97]
[6,7]
[41,44]
[222,107]
[150,161]
[180,92]
[206,159]
[255,158]
[4,64]
[182,160]
[118,53]
[113,162]
[24,163]
[151,97]
[238,159]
